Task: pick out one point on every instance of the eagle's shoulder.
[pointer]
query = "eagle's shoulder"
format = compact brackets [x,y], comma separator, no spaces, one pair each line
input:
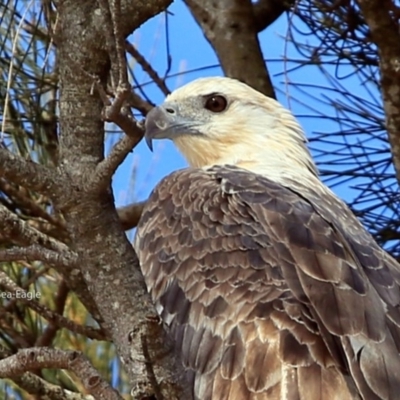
[222,180]
[235,261]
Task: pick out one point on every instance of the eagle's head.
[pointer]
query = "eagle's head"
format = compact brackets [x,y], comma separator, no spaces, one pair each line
[216,121]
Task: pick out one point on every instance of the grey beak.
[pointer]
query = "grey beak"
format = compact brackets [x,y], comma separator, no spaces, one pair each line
[159,122]
[149,142]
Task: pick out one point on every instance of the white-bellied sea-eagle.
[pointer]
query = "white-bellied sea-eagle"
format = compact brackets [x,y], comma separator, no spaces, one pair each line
[269,285]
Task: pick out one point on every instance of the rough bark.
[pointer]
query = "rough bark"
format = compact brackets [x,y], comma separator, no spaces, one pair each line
[130,215]
[98,262]
[384,25]
[268,11]
[108,263]
[39,357]
[231,28]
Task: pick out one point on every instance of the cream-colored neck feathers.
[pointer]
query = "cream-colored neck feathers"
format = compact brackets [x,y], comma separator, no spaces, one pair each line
[276,160]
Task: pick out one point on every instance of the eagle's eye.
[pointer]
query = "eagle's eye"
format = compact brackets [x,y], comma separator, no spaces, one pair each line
[216,103]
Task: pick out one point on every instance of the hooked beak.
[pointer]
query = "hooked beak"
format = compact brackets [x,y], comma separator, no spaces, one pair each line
[158,122]
[164,122]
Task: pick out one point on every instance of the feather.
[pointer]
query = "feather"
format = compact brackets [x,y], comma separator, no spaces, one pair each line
[291,299]
[269,286]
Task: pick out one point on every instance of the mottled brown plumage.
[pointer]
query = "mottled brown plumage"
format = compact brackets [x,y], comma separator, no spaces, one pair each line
[271,288]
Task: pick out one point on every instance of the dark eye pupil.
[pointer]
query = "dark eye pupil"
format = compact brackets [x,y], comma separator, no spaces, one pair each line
[216,103]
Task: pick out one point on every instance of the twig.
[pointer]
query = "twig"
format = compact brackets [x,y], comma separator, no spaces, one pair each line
[27,173]
[106,168]
[115,44]
[49,333]
[27,298]
[20,232]
[35,385]
[38,253]
[123,83]
[130,215]
[134,133]
[17,195]
[110,40]
[132,50]
[112,110]
[4,352]
[135,101]
[10,70]
[44,357]
[167,46]
[127,124]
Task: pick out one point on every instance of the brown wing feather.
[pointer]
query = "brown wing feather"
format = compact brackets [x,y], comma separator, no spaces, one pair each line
[270,292]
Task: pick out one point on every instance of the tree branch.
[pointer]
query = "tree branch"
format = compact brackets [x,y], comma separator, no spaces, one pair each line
[134,132]
[115,44]
[385,33]
[50,331]
[230,27]
[22,295]
[20,232]
[42,357]
[130,215]
[135,101]
[268,11]
[20,197]
[37,253]
[35,385]
[106,169]
[60,255]
[134,16]
[108,263]
[123,83]
[134,52]
[27,173]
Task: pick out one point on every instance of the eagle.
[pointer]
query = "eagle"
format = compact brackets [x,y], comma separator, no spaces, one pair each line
[269,286]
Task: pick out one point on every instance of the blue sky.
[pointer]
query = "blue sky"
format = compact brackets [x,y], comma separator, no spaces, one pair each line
[190,50]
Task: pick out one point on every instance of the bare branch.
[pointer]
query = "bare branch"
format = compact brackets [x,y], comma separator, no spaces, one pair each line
[130,215]
[109,30]
[114,112]
[123,83]
[49,333]
[20,232]
[27,173]
[268,11]
[42,357]
[35,385]
[135,101]
[134,133]
[23,200]
[62,258]
[28,298]
[129,125]
[105,170]
[134,52]
[385,33]
[38,253]
[230,27]
[109,265]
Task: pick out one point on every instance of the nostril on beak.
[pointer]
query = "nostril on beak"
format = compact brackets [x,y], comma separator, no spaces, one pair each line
[170,110]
